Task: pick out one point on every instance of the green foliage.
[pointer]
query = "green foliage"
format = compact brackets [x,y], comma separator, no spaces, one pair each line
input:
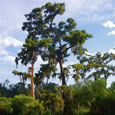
[18,103]
[51,87]
[99,87]
[77,37]
[23,74]
[97,66]
[46,70]
[13,89]
[77,68]
[34,108]
[104,103]
[53,102]
[95,96]
[112,88]
[84,98]
[39,20]
[5,106]
[3,91]
[45,42]
[52,41]
[69,105]
[28,53]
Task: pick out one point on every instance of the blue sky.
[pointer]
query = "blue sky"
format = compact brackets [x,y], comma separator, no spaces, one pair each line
[96,17]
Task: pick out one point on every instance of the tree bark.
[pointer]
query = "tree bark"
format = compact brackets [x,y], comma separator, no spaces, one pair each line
[32,82]
[62,73]
[63,83]
[23,85]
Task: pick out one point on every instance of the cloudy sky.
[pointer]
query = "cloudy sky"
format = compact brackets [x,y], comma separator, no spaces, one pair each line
[96,17]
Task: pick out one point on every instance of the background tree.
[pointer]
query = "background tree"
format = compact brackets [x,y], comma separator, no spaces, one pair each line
[23,77]
[96,66]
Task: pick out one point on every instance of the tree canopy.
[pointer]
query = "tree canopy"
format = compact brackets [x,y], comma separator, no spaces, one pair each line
[52,40]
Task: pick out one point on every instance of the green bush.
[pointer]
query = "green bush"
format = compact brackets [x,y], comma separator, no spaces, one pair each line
[19,102]
[34,108]
[103,102]
[53,103]
[89,98]
[104,105]
[5,106]
[24,105]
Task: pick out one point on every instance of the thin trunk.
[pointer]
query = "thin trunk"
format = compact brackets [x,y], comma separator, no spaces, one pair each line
[95,77]
[23,86]
[105,75]
[32,82]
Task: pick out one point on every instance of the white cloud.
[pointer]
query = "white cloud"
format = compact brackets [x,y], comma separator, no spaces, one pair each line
[89,5]
[112,32]
[112,51]
[3,52]
[11,41]
[5,42]
[68,63]
[89,10]
[102,53]
[84,10]
[109,24]
[7,59]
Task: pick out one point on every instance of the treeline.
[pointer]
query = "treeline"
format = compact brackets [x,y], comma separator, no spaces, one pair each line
[10,90]
[83,98]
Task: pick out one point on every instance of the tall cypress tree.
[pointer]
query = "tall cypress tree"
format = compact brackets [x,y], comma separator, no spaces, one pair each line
[52,41]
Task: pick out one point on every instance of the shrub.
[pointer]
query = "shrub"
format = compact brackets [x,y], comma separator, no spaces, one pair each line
[18,103]
[34,108]
[5,106]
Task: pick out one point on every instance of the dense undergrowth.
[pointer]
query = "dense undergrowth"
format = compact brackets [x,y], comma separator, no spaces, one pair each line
[88,98]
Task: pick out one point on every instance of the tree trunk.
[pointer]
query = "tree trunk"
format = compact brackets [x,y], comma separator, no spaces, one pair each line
[63,83]
[32,82]
[62,73]
[23,85]
[62,76]
[65,112]
[63,80]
